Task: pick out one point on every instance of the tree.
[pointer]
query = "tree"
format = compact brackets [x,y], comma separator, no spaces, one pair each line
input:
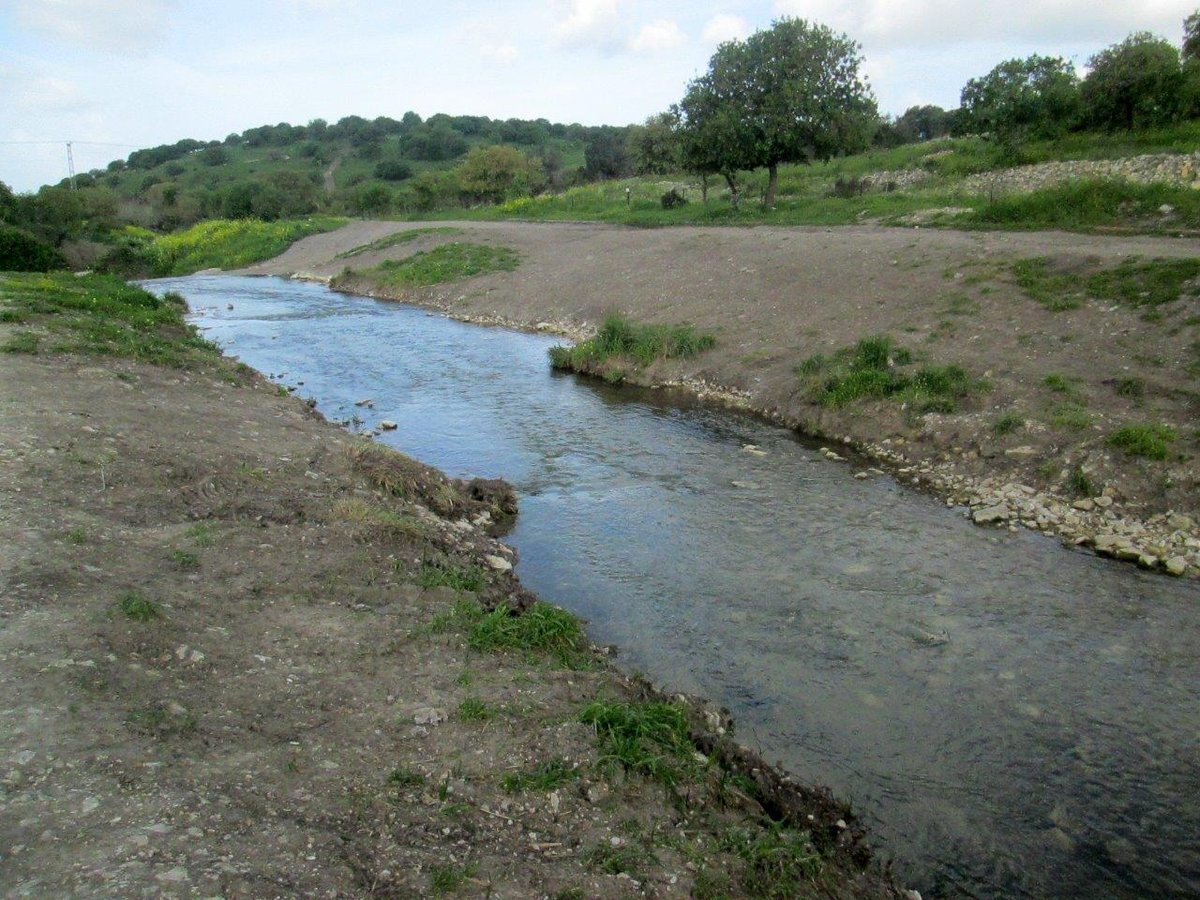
[373,199]
[1191,37]
[605,155]
[1136,83]
[392,170]
[655,145]
[490,174]
[923,123]
[1036,96]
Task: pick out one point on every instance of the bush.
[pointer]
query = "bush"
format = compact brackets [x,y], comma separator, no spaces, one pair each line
[392,170]
[673,198]
[20,251]
[1149,441]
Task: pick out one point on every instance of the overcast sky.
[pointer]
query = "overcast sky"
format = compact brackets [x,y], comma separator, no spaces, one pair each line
[145,72]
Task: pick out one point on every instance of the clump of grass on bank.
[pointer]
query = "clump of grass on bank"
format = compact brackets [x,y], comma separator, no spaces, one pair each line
[449,262]
[540,628]
[778,861]
[619,338]
[543,777]
[649,739]
[394,240]
[1147,441]
[1087,204]
[230,243]
[1133,282]
[875,369]
[441,573]
[101,314]
[138,608]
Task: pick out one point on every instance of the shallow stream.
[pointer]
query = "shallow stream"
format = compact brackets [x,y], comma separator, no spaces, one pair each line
[1010,717]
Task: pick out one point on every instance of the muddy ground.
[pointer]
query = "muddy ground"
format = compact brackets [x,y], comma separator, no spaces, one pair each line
[220,675]
[775,296]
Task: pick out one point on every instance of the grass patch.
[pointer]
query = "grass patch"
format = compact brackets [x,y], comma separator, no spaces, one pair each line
[618,337]
[777,861]
[1060,384]
[404,477]
[1137,283]
[77,536]
[450,878]
[395,240]
[370,522]
[230,243]
[625,859]
[1086,204]
[185,559]
[22,342]
[1070,415]
[136,607]
[440,573]
[872,369]
[405,778]
[544,777]
[1134,388]
[1008,423]
[475,710]
[1147,441]
[1078,484]
[449,262]
[102,315]
[541,628]
[649,739]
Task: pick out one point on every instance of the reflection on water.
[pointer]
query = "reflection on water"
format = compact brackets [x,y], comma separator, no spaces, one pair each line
[1010,717]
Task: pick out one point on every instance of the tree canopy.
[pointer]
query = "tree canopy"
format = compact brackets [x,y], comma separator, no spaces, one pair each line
[1037,96]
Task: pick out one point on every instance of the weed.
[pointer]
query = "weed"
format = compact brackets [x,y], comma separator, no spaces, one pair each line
[440,573]
[138,608]
[449,262]
[77,536]
[651,739]
[406,778]
[475,710]
[544,777]
[542,628]
[185,559]
[1008,423]
[1078,484]
[1131,387]
[450,878]
[1148,441]
[1060,384]
[618,337]
[393,240]
[201,534]
[627,859]
[778,861]
[22,342]
[1070,415]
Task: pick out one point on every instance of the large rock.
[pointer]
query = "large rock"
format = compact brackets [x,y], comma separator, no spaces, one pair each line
[989,515]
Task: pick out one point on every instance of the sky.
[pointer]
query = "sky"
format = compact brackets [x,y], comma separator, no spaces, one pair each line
[118,75]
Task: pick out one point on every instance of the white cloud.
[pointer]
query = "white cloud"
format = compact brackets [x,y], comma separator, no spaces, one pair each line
[589,22]
[49,94]
[909,23]
[502,53]
[657,37]
[724,27]
[115,26]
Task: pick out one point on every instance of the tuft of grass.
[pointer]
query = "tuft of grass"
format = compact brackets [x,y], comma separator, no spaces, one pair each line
[201,534]
[77,536]
[1147,441]
[625,859]
[1070,415]
[370,521]
[541,628]
[404,477]
[1057,291]
[185,559]
[22,342]
[619,337]
[138,608]
[450,878]
[449,262]
[405,778]
[1008,423]
[777,861]
[1133,282]
[475,710]
[1078,484]
[650,739]
[872,370]
[394,240]
[544,777]
[1060,384]
[441,573]
[1131,387]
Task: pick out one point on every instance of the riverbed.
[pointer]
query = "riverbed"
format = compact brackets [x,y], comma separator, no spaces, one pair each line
[1010,717]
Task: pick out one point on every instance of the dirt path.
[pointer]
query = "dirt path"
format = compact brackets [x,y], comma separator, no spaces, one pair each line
[220,674]
[1064,380]
[330,183]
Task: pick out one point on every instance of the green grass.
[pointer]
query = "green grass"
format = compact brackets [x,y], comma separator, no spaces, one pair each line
[475,710]
[778,862]
[136,607]
[1086,205]
[1008,423]
[230,243]
[1060,384]
[440,573]
[874,369]
[1078,484]
[102,315]
[541,628]
[620,338]
[450,878]
[625,859]
[185,559]
[544,777]
[26,342]
[1134,388]
[1147,441]
[405,778]
[449,262]
[1133,282]
[649,739]
[1070,416]
[394,240]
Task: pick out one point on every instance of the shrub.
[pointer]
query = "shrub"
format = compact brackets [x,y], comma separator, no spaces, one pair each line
[1148,441]
[620,337]
[20,251]
[672,199]
[392,170]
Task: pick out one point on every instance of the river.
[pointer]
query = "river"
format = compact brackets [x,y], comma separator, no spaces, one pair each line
[1011,718]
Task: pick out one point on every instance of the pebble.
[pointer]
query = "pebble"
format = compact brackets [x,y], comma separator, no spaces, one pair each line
[388,425]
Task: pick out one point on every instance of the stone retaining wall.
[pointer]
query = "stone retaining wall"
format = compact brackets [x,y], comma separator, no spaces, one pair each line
[1177,169]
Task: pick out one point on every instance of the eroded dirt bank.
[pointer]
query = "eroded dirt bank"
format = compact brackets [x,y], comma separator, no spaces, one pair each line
[236,660]
[1033,449]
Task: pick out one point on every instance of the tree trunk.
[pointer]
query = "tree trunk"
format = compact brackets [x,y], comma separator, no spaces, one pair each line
[772,183]
[704,189]
[734,197]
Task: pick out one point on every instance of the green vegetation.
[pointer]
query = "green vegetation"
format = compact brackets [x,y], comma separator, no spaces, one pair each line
[22,342]
[449,262]
[778,861]
[185,559]
[1060,384]
[620,338]
[395,240]
[544,777]
[541,628]
[1078,484]
[225,244]
[450,878]
[405,778]
[872,370]
[1133,282]
[1087,204]
[21,251]
[627,859]
[99,314]
[475,710]
[1072,416]
[650,739]
[138,608]
[1148,441]
[1008,423]
[439,573]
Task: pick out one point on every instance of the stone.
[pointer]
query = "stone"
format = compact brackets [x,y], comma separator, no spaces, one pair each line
[990,514]
[366,403]
[1180,522]
[388,425]
[1176,565]
[1104,502]
[1085,505]
[1022,452]
[499,563]
[430,715]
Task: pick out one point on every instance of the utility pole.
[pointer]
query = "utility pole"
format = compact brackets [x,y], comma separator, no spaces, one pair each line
[71,165]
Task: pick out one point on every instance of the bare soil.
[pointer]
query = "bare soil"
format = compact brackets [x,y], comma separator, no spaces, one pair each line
[775,296]
[287,722]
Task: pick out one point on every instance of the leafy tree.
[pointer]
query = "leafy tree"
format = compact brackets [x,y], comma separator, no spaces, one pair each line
[1136,83]
[392,170]
[655,145]
[492,173]
[1036,96]
[214,156]
[923,123]
[1191,37]
[21,251]
[373,200]
[606,156]
[8,203]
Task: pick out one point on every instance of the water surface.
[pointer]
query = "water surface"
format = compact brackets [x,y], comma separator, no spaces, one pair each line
[1010,717]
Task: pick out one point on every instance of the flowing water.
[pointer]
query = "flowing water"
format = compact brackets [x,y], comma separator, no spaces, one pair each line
[1010,717]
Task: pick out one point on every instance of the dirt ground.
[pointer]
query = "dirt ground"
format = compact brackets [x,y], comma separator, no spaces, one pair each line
[287,718]
[775,296]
